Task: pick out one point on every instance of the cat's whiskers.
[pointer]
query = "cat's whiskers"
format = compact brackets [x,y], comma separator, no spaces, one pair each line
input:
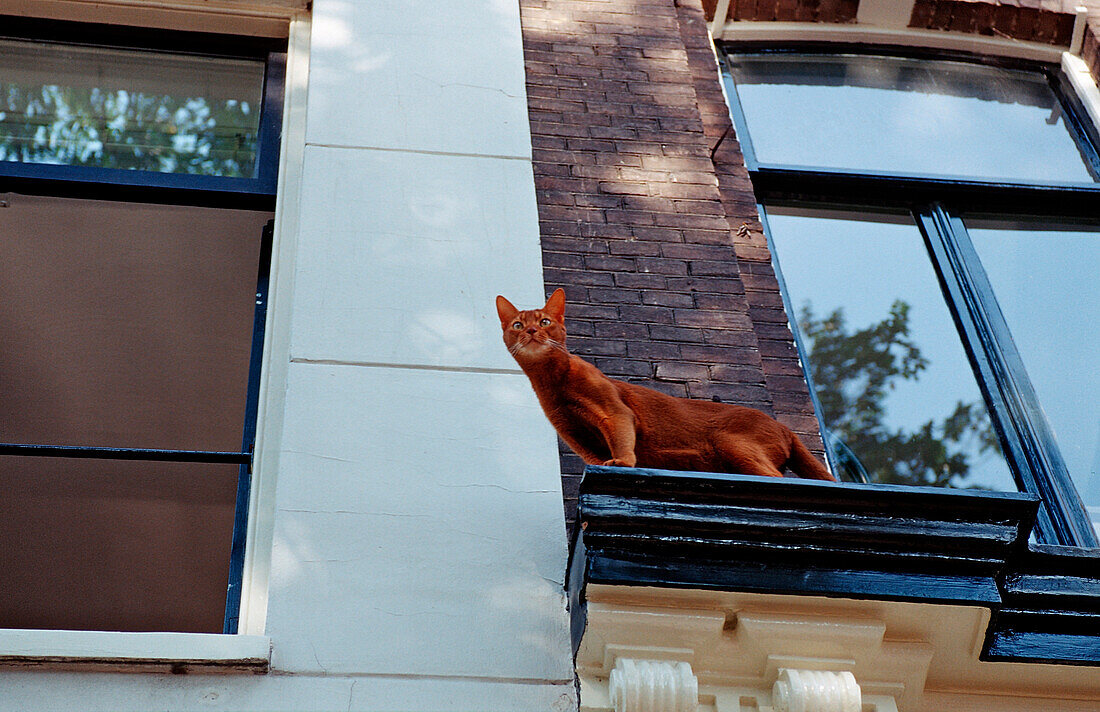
[557,345]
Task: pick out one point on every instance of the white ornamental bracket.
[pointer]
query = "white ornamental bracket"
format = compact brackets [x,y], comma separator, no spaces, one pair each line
[816,691]
[653,686]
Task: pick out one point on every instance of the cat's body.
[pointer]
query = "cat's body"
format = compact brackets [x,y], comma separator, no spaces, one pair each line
[610,422]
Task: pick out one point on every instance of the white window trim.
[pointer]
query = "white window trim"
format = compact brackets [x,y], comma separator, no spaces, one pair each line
[1083,84]
[251,653]
[867,34]
[276,357]
[249,650]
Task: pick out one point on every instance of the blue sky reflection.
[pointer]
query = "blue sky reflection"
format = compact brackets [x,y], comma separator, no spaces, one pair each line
[899,115]
[864,267]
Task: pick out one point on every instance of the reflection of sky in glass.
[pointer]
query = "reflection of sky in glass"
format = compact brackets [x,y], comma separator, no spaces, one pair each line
[906,116]
[863,267]
[1047,287]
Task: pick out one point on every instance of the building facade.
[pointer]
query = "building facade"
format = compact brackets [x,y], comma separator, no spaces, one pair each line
[401,530]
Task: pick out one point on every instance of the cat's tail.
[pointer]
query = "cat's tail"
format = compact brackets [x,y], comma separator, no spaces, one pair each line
[803,463]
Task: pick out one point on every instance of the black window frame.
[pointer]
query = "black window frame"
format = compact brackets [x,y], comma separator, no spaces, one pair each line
[936,205]
[257,193]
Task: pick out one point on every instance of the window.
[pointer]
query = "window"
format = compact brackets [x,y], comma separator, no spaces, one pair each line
[137,173]
[934,224]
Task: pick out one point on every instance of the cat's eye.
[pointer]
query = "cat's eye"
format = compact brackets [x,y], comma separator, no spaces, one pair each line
[544,322]
[517,325]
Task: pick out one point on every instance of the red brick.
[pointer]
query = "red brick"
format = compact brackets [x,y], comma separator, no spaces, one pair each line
[682,371]
[1063,30]
[619,330]
[1027,20]
[661,265]
[738,394]
[646,314]
[578,309]
[1046,26]
[578,277]
[613,366]
[645,202]
[596,201]
[772,331]
[661,234]
[799,423]
[667,299]
[941,15]
[721,301]
[634,247]
[684,190]
[805,12]
[1004,21]
[706,284]
[784,366]
[963,17]
[565,244]
[584,346]
[655,350]
[682,334]
[614,296]
[736,373]
[654,282]
[720,354]
[772,348]
[601,262]
[567,260]
[730,337]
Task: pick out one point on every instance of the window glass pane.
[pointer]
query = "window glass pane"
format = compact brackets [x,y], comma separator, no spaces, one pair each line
[895,386]
[125,325]
[109,545]
[907,116]
[1045,279]
[149,111]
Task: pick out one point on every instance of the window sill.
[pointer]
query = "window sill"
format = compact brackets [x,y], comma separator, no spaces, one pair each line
[156,652]
[786,536]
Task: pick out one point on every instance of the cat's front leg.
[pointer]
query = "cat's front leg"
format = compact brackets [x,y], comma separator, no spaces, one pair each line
[619,431]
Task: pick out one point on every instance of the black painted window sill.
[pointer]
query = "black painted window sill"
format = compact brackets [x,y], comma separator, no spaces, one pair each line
[789,536]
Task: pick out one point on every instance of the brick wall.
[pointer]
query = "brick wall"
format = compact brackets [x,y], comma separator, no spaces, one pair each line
[788,10]
[1044,21]
[1030,20]
[647,216]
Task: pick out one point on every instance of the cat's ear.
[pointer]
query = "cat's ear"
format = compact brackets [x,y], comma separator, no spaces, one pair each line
[555,305]
[505,310]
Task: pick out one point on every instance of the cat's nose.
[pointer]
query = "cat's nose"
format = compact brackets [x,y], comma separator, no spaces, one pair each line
[531,330]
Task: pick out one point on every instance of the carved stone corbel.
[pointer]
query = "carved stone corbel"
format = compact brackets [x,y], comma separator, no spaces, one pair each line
[816,691]
[653,686]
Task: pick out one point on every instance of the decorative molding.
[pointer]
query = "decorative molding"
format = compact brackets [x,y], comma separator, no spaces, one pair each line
[815,691]
[1051,608]
[749,31]
[734,533]
[901,654]
[655,686]
[154,652]
[782,535]
[1084,84]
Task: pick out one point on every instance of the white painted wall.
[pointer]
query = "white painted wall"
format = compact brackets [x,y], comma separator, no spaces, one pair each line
[417,537]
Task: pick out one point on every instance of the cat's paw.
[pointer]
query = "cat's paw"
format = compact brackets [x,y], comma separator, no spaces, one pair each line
[620,462]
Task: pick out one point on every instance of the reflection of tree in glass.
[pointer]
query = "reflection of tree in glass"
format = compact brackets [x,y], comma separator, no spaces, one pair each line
[120,129]
[854,370]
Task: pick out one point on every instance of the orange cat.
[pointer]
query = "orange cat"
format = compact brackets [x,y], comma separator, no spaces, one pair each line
[609,422]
